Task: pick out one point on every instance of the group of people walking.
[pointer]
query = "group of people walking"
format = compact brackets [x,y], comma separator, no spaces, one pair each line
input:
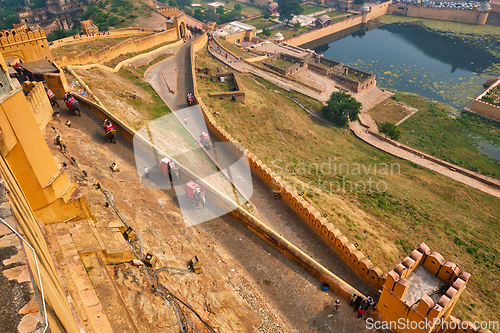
[361,304]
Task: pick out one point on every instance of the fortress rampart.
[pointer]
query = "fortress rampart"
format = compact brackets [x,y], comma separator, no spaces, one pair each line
[27,44]
[168,11]
[443,14]
[39,103]
[376,11]
[108,53]
[424,288]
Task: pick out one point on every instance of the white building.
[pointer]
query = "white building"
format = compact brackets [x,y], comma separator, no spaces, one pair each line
[215,5]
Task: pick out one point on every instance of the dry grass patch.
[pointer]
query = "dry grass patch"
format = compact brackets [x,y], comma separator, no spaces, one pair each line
[94,45]
[389,110]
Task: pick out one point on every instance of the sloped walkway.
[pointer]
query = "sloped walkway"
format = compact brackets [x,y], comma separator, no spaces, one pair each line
[362,133]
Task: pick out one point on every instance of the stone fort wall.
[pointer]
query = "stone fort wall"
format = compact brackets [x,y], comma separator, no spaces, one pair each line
[443,14]
[108,53]
[332,236]
[168,11]
[376,11]
[24,43]
[455,15]
[39,103]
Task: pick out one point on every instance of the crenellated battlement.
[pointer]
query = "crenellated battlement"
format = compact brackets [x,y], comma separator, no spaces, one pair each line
[423,288]
[26,43]
[168,10]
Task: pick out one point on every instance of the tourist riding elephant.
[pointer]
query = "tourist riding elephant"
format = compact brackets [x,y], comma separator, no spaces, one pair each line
[52,98]
[205,140]
[110,131]
[195,194]
[72,105]
[190,99]
[169,169]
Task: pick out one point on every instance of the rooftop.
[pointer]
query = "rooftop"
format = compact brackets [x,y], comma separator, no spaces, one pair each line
[273,48]
[232,28]
[423,282]
[216,4]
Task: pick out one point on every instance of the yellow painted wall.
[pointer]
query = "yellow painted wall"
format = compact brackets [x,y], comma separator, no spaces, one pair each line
[319,33]
[39,104]
[59,313]
[24,44]
[486,109]
[46,186]
[108,53]
[57,83]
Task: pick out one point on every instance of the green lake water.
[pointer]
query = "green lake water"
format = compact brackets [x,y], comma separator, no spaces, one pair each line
[411,59]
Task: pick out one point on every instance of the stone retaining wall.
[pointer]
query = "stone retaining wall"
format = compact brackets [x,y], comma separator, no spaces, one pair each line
[108,53]
[443,14]
[236,95]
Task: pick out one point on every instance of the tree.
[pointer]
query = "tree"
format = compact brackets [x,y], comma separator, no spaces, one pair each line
[235,15]
[266,32]
[38,4]
[252,1]
[267,16]
[341,108]
[391,130]
[188,12]
[198,14]
[297,25]
[288,9]
[183,3]
[172,3]
[359,2]
[210,15]
[238,7]
[220,10]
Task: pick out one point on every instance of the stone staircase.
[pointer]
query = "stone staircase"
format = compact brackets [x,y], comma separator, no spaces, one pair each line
[81,260]
[75,275]
[372,97]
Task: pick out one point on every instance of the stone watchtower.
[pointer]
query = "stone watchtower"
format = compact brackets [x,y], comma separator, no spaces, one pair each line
[483,12]
[365,9]
[423,290]
[26,44]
